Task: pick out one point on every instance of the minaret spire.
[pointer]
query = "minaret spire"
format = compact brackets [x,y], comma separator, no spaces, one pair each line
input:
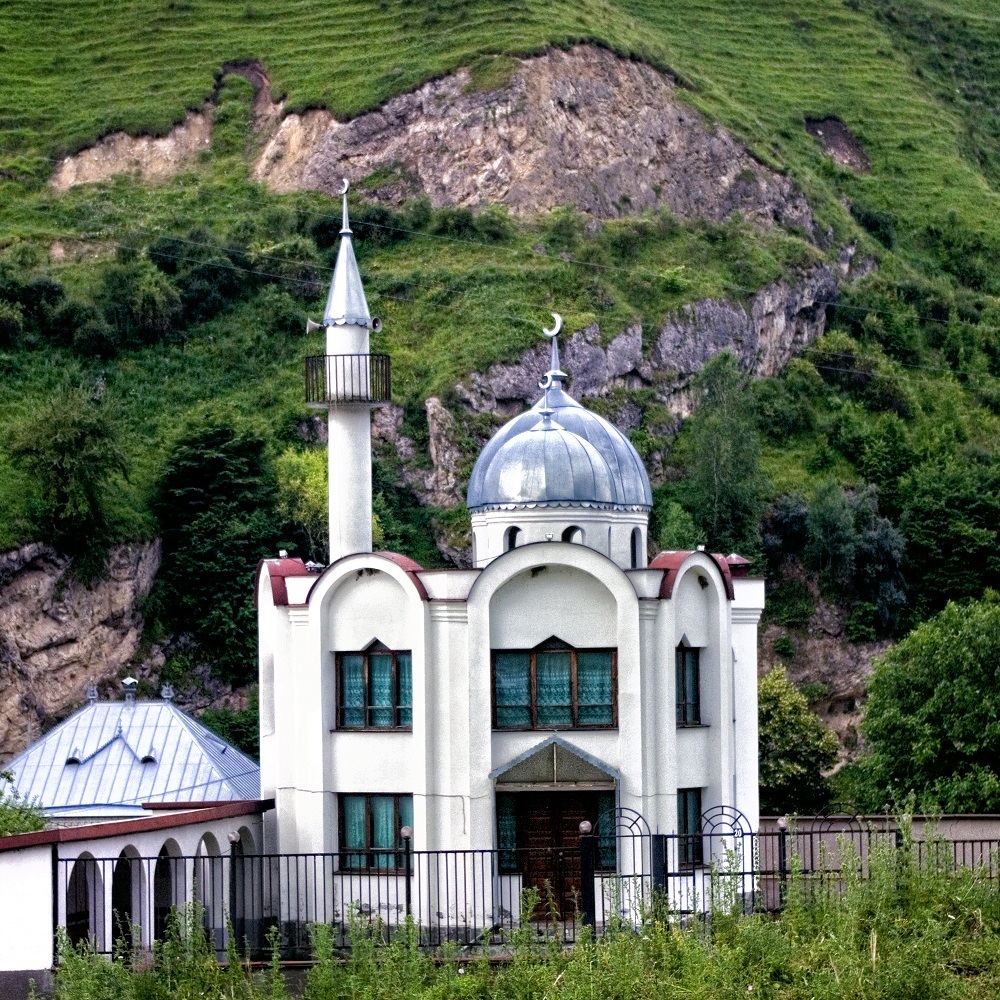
[346,303]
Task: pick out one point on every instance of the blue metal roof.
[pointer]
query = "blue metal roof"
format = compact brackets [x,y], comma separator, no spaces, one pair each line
[629,481]
[110,756]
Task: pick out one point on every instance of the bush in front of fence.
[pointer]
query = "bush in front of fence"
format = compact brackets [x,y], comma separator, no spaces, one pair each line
[904,924]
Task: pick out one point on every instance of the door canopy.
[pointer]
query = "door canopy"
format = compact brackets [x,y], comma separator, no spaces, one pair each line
[554,763]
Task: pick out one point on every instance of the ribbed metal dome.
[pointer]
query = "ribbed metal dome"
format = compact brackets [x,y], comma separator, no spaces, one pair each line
[545,464]
[629,482]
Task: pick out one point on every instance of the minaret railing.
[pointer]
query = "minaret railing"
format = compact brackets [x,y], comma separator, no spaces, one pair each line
[333,379]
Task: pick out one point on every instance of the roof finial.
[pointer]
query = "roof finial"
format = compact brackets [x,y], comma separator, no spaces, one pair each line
[345,227]
[554,374]
[346,303]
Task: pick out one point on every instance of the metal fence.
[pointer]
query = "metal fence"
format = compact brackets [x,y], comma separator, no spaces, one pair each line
[472,898]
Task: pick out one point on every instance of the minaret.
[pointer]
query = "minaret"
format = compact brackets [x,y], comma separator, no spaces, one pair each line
[348,381]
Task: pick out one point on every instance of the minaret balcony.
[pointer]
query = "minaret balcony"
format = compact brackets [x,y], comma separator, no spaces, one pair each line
[336,379]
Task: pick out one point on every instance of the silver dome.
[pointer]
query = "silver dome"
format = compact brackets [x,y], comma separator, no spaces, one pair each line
[546,464]
[630,484]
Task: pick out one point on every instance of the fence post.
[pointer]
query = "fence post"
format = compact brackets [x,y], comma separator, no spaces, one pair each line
[407,834]
[588,902]
[782,826]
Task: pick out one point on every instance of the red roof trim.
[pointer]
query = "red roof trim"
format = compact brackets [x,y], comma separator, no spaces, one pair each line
[124,828]
[277,570]
[671,562]
[151,806]
[405,563]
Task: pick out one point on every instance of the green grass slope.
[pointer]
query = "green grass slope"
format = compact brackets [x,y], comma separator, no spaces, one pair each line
[913,358]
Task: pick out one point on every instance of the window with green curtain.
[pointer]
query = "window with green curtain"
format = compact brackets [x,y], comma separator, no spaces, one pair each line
[352,692]
[513,689]
[607,833]
[594,688]
[380,678]
[370,830]
[355,828]
[507,832]
[375,689]
[555,689]
[554,686]
[405,665]
[384,832]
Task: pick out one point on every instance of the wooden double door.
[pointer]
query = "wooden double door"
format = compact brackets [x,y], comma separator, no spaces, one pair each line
[547,828]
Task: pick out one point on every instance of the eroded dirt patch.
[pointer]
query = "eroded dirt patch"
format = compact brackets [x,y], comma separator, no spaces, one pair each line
[583,127]
[154,159]
[840,143]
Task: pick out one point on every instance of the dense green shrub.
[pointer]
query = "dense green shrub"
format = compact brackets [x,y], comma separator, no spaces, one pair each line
[217,508]
[931,717]
[70,448]
[17,814]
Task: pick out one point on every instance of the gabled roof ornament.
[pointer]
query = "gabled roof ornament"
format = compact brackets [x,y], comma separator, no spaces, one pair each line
[346,304]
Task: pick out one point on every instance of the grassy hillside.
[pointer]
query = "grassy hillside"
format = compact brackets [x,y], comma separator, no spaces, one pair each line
[907,385]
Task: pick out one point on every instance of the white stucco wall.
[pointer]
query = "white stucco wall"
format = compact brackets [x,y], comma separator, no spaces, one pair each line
[26,931]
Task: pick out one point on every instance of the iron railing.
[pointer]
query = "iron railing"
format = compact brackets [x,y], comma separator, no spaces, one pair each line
[476,897]
[333,379]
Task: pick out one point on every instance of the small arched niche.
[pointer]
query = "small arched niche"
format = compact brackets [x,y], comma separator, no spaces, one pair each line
[636,555]
[511,538]
[573,534]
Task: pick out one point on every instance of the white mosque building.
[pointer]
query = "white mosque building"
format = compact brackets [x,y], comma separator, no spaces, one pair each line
[561,680]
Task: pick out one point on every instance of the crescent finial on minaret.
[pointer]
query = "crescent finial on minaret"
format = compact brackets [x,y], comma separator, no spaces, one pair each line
[345,227]
[554,374]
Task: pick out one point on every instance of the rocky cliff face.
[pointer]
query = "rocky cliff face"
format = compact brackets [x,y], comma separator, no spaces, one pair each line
[58,635]
[764,332]
[583,127]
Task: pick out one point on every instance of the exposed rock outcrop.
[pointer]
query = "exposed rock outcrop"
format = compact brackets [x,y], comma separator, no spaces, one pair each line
[765,333]
[154,159]
[584,127]
[57,635]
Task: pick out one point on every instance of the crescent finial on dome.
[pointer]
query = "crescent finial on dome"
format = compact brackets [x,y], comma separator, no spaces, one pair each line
[554,374]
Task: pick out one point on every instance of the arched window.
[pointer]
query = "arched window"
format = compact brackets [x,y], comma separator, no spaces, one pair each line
[636,547]
[126,898]
[510,539]
[573,534]
[208,880]
[85,903]
[168,879]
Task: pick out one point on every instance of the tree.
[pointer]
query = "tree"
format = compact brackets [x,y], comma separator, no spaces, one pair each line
[17,815]
[303,497]
[725,486]
[140,302]
[216,504]
[70,448]
[950,516]
[932,722]
[832,540]
[678,530]
[795,748]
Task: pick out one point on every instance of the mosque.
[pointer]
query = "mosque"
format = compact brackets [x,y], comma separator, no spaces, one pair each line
[563,679]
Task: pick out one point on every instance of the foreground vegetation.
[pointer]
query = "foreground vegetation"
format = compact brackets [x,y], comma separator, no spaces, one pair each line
[906,931]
